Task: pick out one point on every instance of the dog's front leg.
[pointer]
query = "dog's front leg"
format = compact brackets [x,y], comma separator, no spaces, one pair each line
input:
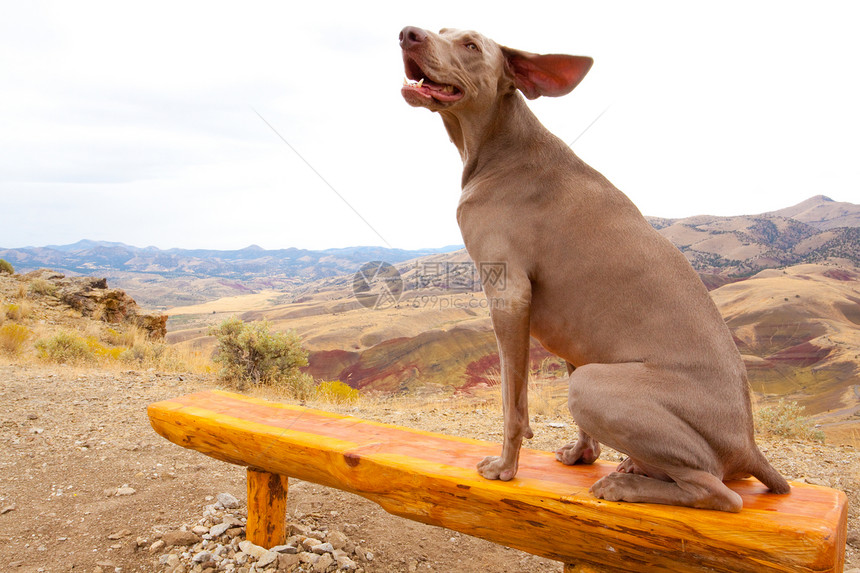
[509,310]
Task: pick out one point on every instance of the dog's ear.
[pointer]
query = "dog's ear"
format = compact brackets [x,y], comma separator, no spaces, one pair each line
[545,74]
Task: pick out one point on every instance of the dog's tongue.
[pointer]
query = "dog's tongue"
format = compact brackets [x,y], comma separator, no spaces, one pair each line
[431,89]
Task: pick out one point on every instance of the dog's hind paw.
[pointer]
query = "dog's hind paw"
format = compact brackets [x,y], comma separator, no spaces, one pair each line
[583,451]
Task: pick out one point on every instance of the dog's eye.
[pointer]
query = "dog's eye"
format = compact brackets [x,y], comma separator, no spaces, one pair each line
[472,46]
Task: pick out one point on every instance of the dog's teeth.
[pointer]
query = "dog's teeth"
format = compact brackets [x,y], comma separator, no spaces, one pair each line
[421,82]
[448,89]
[405,81]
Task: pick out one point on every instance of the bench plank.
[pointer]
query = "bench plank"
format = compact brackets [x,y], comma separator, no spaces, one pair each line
[546,510]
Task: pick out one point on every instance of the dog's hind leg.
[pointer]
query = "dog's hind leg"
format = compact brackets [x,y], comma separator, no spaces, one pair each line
[585,450]
[637,410]
[690,488]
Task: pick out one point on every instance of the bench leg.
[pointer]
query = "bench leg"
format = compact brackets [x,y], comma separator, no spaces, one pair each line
[267,508]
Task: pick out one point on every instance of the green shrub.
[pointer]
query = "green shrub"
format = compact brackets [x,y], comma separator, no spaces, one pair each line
[66,348]
[12,337]
[299,385]
[251,353]
[6,267]
[786,420]
[336,392]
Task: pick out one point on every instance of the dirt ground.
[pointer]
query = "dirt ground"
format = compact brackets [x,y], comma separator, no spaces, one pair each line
[70,439]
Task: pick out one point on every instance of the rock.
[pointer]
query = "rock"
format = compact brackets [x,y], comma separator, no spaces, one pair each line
[200,529]
[235,532]
[310,542]
[180,538]
[254,551]
[227,501]
[121,491]
[337,539]
[202,557]
[287,549]
[285,561]
[219,530]
[120,534]
[7,509]
[299,529]
[344,563]
[322,548]
[267,558]
[157,546]
[306,557]
[322,564]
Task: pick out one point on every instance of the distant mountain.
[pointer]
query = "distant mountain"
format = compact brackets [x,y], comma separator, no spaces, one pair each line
[812,231]
[722,249]
[93,257]
[822,213]
[162,278]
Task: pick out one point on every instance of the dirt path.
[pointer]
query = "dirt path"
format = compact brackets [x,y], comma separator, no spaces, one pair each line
[71,439]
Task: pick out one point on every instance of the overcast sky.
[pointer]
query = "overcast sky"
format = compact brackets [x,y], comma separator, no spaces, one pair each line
[138,122]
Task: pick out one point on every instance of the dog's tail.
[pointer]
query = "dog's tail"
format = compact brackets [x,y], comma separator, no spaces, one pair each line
[766,474]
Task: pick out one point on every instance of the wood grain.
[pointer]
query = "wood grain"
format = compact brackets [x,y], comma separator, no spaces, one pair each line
[546,510]
[267,508]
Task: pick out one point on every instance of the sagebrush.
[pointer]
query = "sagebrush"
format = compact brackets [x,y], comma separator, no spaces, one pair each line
[786,419]
[251,352]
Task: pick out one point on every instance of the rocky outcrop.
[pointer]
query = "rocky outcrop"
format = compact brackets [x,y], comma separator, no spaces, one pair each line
[93,298]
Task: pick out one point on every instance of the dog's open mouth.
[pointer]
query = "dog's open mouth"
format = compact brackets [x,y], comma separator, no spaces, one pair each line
[417,83]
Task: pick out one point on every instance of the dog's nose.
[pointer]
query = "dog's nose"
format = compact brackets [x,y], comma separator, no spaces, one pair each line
[410,36]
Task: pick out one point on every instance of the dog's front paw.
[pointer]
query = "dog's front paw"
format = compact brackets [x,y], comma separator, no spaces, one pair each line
[494,467]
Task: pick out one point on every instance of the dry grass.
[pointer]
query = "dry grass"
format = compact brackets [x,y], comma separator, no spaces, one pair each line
[42,287]
[18,311]
[115,349]
[13,337]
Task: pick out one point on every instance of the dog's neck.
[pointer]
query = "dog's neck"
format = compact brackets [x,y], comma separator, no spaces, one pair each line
[480,137]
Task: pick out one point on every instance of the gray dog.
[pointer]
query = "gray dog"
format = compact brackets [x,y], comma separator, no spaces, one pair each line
[654,372]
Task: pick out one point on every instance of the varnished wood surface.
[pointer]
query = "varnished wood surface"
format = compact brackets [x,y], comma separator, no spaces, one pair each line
[545,510]
[267,508]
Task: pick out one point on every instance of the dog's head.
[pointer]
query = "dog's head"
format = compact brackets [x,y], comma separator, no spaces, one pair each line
[459,69]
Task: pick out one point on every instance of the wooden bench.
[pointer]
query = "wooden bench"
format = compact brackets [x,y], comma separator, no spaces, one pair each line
[545,510]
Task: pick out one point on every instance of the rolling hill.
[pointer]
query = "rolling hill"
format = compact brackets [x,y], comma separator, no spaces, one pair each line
[797,326]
